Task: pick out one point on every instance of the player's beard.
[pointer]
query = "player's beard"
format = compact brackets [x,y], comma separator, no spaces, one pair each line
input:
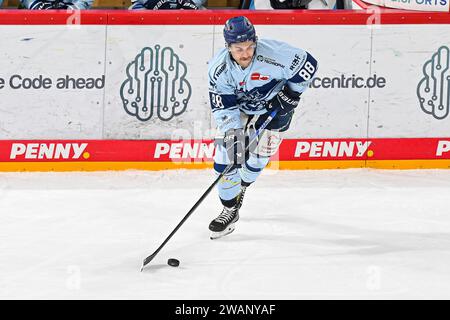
[244,63]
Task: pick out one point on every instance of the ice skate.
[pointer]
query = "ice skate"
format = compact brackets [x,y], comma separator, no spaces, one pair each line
[224,223]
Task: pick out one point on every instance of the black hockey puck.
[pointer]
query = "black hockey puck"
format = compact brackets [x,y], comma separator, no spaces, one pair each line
[173,262]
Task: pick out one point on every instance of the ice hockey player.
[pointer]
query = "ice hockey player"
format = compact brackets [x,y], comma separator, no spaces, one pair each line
[248,79]
[57,4]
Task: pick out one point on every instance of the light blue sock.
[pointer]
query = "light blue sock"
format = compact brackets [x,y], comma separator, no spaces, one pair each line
[253,168]
[229,186]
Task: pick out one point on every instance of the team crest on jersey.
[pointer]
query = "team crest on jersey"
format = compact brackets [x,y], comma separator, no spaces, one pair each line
[255,99]
[252,100]
[258,76]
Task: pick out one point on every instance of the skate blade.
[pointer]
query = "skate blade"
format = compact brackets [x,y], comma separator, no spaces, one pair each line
[217,235]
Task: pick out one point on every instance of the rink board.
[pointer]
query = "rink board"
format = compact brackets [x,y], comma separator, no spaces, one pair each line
[96,83]
[419,5]
[67,155]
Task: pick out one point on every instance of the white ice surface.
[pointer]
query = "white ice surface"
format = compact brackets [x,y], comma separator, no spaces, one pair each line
[331,234]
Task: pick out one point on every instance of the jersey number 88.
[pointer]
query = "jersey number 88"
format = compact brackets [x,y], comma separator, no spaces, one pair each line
[307,71]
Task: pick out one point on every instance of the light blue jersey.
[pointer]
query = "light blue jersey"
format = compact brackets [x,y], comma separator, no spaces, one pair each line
[57,4]
[236,94]
[233,89]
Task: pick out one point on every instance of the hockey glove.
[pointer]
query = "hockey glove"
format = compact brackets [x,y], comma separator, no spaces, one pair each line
[42,5]
[234,143]
[286,100]
[62,6]
[170,4]
[188,5]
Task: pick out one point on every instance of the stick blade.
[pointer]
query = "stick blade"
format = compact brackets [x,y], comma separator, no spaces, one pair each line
[147,261]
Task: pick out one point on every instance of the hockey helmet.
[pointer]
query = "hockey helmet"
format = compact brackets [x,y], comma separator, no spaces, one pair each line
[239,29]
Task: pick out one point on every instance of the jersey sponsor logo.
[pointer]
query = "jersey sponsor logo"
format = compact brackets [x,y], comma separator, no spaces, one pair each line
[331,149]
[297,62]
[258,76]
[267,60]
[48,151]
[433,90]
[442,147]
[219,70]
[156,84]
[184,150]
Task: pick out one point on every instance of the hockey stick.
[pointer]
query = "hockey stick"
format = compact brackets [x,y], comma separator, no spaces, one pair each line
[205,194]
